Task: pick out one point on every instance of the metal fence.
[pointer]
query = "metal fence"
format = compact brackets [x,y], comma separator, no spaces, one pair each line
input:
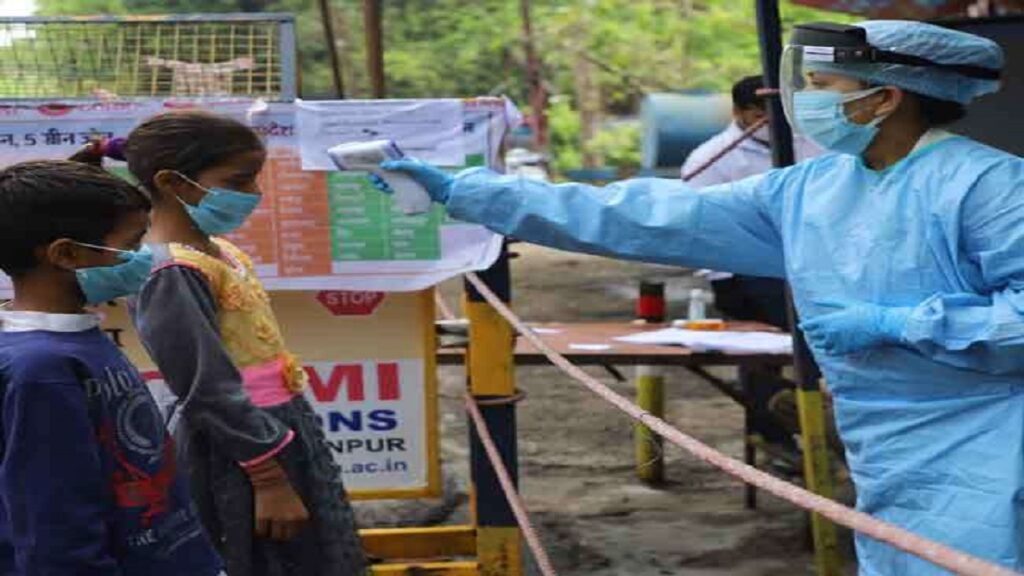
[215,55]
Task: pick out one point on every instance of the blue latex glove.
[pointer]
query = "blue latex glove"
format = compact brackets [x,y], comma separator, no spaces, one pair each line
[435,181]
[855,327]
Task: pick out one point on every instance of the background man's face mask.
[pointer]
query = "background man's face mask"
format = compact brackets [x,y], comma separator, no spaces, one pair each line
[821,116]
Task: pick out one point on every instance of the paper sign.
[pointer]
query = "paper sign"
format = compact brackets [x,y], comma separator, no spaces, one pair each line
[41,130]
[372,415]
[431,130]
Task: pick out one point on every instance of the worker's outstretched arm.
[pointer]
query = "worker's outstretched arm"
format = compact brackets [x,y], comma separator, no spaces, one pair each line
[728,227]
[731,227]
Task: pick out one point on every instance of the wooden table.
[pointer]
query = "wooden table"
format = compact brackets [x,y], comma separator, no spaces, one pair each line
[584,344]
[622,353]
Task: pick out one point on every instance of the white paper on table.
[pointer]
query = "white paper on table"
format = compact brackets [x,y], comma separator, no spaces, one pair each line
[719,341]
[590,347]
[431,130]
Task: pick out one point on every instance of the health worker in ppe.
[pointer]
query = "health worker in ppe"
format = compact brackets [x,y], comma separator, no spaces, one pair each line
[904,247]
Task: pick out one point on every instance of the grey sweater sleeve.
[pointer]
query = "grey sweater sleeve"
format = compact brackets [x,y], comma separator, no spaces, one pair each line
[176,317]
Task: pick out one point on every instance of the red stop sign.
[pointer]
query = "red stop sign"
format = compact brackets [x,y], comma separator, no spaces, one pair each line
[350,303]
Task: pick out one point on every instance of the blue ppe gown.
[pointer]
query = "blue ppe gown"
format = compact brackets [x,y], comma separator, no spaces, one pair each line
[934,428]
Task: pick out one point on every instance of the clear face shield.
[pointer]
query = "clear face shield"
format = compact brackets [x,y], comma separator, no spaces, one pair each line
[816,59]
[791,78]
[825,56]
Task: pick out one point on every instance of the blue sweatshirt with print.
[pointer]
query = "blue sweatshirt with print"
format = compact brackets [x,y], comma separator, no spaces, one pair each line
[88,479]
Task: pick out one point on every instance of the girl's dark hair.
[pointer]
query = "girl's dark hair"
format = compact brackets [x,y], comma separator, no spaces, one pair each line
[940,112]
[187,141]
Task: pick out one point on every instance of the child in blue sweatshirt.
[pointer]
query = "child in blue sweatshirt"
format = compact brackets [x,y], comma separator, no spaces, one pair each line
[88,479]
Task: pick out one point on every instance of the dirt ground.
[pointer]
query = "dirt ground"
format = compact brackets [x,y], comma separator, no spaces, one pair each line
[576,462]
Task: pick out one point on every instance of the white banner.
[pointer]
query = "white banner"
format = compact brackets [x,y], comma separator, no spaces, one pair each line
[54,130]
[315,230]
[430,130]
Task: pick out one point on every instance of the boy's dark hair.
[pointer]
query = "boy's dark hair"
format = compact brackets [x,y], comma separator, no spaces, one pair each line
[42,201]
[187,141]
[744,93]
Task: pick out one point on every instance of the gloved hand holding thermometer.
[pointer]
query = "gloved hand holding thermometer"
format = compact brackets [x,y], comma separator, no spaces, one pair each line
[410,195]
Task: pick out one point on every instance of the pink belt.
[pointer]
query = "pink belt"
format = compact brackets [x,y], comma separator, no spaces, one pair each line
[265,383]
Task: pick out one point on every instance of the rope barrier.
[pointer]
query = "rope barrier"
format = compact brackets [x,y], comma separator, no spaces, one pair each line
[442,306]
[509,488]
[729,148]
[939,554]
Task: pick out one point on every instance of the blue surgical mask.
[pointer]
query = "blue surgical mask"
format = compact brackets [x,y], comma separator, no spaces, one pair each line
[819,115]
[221,211]
[104,283]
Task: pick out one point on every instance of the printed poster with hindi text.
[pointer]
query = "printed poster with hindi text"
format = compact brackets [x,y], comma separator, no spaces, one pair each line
[314,229]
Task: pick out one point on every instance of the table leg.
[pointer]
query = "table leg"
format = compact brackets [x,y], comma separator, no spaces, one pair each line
[649,447]
[746,376]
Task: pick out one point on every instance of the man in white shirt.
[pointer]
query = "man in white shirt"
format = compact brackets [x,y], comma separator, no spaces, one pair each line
[744,297]
[750,157]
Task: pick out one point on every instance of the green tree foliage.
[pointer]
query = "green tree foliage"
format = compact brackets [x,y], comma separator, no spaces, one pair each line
[564,123]
[460,48]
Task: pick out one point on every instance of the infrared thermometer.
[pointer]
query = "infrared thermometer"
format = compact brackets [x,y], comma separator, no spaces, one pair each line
[410,197]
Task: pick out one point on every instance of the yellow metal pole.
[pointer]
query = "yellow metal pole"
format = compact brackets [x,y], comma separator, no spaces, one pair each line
[491,370]
[818,477]
[650,392]
[427,569]
[650,395]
